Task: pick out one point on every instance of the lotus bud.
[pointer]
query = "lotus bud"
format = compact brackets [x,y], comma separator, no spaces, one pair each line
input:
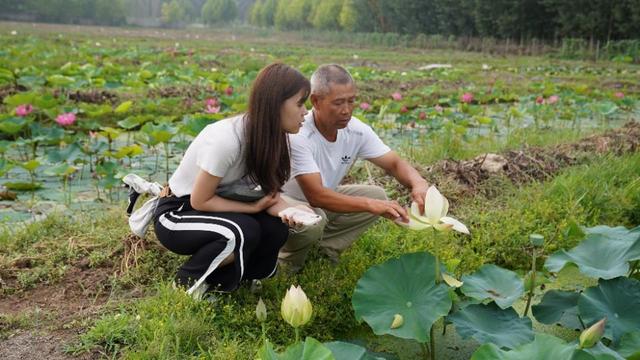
[296,308]
[261,311]
[592,335]
[536,240]
[398,321]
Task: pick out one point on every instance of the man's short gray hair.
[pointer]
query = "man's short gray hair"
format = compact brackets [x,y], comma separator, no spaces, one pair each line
[327,74]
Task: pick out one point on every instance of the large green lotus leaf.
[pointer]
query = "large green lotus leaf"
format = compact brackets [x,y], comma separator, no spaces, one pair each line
[605,253]
[618,300]
[404,286]
[630,345]
[558,307]
[490,324]
[347,351]
[12,125]
[544,347]
[601,352]
[493,282]
[310,349]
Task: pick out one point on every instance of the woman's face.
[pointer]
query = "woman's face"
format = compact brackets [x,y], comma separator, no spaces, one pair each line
[292,113]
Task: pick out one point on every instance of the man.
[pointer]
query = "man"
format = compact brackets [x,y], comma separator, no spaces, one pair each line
[322,153]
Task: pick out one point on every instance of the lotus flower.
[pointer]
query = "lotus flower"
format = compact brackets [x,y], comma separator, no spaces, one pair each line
[261,311]
[553,99]
[212,106]
[365,106]
[590,337]
[403,109]
[422,115]
[396,96]
[66,119]
[438,108]
[619,95]
[24,110]
[436,207]
[540,100]
[466,98]
[296,308]
[228,91]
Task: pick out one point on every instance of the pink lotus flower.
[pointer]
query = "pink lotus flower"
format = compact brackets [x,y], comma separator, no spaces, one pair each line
[228,91]
[24,110]
[619,95]
[396,96]
[93,134]
[66,119]
[422,115]
[403,109]
[540,100]
[212,106]
[553,99]
[365,106]
[438,108]
[466,98]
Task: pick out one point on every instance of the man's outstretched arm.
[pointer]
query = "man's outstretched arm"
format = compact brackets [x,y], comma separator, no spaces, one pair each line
[406,175]
[325,198]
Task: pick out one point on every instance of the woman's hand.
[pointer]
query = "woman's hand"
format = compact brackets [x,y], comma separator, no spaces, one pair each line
[266,202]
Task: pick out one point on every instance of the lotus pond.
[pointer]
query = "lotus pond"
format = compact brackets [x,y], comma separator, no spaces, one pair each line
[83,106]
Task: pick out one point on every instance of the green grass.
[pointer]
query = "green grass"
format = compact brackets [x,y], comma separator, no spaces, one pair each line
[605,192]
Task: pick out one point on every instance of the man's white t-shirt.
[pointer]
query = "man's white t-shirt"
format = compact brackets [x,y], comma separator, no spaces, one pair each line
[313,153]
[218,150]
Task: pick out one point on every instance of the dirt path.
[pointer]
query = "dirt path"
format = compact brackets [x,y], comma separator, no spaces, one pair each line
[49,317]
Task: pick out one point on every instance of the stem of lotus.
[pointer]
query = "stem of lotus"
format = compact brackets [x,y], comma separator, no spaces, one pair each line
[432,340]
[297,330]
[264,331]
[532,286]
[166,159]
[425,351]
[581,322]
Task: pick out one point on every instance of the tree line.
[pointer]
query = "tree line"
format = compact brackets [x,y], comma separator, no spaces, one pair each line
[503,19]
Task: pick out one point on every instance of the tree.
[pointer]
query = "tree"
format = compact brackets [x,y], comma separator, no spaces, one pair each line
[219,11]
[326,15]
[348,17]
[173,13]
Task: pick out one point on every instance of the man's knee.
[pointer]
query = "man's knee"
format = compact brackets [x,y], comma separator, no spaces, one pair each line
[376,192]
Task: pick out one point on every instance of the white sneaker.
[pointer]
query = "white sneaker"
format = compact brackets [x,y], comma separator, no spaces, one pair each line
[198,292]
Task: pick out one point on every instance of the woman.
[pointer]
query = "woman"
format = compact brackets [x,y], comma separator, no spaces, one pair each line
[208,215]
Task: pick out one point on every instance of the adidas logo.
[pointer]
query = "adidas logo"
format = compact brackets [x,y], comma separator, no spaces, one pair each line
[345,160]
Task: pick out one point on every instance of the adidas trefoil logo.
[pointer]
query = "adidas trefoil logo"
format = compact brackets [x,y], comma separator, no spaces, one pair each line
[345,160]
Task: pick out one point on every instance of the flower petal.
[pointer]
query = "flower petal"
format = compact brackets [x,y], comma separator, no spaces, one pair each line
[451,281]
[457,225]
[415,214]
[445,207]
[413,224]
[433,205]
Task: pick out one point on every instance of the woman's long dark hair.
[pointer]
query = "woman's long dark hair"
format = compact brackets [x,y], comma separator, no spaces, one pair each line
[267,154]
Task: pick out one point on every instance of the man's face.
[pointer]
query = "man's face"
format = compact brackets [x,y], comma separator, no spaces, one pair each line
[335,108]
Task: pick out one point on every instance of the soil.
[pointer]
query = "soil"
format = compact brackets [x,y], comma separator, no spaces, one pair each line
[55,314]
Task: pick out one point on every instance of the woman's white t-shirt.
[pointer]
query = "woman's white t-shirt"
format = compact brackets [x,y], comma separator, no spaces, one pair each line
[218,149]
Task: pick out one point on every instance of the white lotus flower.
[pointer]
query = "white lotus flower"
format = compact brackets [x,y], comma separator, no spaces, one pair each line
[296,308]
[436,207]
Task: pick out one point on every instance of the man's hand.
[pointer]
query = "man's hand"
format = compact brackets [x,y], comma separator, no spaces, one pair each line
[388,209]
[418,194]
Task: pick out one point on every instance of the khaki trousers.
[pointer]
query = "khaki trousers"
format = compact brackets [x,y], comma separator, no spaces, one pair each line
[333,234]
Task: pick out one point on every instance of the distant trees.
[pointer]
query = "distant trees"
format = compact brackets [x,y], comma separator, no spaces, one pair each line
[515,19]
[219,11]
[520,20]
